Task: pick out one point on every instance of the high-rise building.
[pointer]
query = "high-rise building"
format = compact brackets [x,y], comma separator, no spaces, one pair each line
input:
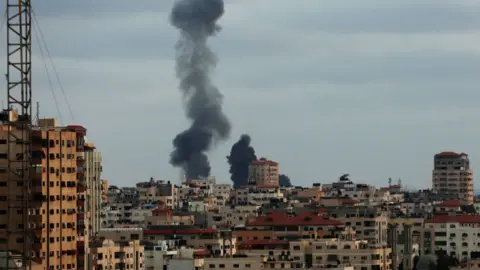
[89,187]
[53,204]
[93,172]
[453,176]
[263,172]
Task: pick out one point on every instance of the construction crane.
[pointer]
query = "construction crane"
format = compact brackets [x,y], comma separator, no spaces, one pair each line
[19,92]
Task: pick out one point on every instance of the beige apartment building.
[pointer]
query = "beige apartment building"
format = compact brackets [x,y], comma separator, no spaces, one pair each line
[320,253]
[453,176]
[263,172]
[54,194]
[107,254]
[370,224]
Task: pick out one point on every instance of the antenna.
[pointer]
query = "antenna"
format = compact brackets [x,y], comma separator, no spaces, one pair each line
[38,113]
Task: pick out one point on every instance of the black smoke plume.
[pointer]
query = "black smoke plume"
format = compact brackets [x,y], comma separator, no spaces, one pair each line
[241,156]
[196,20]
[284,181]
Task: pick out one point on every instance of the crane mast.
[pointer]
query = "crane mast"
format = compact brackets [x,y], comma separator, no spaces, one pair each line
[19,91]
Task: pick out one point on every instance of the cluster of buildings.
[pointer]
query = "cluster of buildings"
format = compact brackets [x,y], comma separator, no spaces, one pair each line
[202,224]
[78,221]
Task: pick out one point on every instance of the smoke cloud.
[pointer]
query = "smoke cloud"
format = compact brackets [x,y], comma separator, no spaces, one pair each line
[196,20]
[241,156]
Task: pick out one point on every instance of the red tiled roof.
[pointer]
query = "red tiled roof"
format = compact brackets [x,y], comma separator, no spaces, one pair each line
[76,127]
[200,253]
[454,219]
[264,242]
[451,203]
[264,162]
[180,231]
[349,201]
[303,219]
[448,153]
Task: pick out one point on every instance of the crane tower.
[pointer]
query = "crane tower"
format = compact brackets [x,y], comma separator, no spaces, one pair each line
[19,119]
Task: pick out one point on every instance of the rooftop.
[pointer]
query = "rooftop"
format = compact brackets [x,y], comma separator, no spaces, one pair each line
[302,219]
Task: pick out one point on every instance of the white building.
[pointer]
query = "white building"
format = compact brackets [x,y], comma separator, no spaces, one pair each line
[458,235]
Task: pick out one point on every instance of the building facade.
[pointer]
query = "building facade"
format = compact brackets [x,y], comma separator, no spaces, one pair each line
[263,172]
[453,176]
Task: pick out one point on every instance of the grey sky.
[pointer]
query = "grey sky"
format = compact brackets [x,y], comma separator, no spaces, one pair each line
[371,88]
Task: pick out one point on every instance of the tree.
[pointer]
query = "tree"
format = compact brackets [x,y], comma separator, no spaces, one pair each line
[284,181]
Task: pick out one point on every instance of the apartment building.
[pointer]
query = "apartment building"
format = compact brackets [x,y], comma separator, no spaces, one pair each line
[459,236]
[312,193]
[153,191]
[118,214]
[263,172]
[213,241]
[93,172]
[53,206]
[167,255]
[319,253]
[453,176]
[108,254]
[121,234]
[280,225]
[369,223]
[165,216]
[232,216]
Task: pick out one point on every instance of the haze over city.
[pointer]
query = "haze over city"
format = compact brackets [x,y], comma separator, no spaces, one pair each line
[369,88]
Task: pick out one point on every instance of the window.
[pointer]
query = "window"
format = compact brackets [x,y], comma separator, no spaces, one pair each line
[211,265]
[236,266]
[3,155]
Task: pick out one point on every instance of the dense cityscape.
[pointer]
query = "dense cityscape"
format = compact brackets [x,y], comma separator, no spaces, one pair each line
[82,222]
[57,210]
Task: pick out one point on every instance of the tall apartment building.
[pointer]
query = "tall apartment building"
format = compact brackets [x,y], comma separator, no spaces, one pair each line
[89,187]
[453,176]
[263,172]
[54,195]
[93,171]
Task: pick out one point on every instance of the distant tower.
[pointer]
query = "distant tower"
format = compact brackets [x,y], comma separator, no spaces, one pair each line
[454,169]
[389,182]
[399,182]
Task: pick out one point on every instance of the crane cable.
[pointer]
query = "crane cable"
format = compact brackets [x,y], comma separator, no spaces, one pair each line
[46,49]
[48,73]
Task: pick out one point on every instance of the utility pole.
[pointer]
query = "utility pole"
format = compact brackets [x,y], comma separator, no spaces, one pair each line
[19,98]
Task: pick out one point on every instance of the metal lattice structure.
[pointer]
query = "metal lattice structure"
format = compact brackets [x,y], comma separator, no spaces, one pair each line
[19,91]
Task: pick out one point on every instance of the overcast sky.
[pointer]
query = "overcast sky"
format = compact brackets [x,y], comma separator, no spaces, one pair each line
[372,88]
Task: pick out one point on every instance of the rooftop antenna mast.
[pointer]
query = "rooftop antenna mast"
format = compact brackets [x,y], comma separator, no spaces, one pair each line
[19,101]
